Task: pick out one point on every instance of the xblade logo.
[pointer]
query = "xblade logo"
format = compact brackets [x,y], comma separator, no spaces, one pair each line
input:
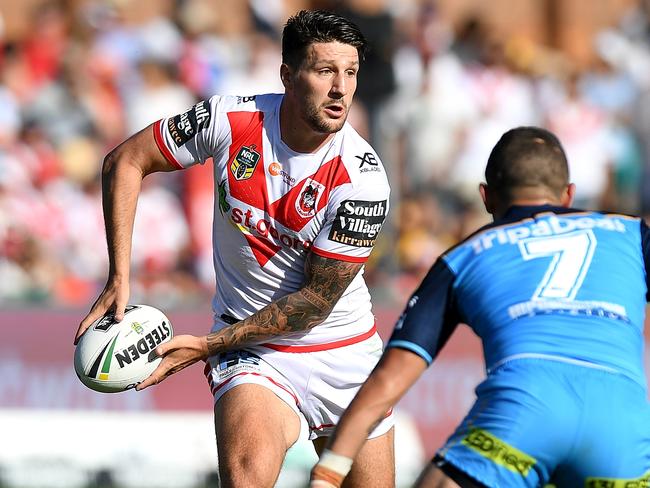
[368,163]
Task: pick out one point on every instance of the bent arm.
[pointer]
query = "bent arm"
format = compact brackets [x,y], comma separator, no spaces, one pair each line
[122,173]
[395,373]
[325,282]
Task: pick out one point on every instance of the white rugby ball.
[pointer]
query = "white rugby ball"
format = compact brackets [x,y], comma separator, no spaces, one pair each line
[115,356]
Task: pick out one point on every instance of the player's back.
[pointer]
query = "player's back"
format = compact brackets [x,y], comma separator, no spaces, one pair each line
[556,283]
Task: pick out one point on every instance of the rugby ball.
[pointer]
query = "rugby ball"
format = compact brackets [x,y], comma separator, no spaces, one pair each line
[115,356]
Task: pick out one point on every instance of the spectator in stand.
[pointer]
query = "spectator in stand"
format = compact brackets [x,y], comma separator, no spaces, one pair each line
[584,130]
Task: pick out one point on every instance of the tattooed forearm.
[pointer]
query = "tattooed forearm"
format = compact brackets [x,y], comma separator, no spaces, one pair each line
[326,281]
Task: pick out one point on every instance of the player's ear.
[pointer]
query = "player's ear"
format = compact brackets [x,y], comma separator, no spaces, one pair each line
[484,191]
[568,195]
[286,76]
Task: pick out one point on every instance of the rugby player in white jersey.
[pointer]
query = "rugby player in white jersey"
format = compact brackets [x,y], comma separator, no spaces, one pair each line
[300,199]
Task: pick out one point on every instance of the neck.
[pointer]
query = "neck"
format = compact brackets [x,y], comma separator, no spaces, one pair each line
[501,210]
[296,133]
[497,204]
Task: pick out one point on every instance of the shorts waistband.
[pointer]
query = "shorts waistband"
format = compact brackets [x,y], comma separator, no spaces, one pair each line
[550,357]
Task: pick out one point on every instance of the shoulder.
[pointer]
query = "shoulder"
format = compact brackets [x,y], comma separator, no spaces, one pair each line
[361,161]
[245,103]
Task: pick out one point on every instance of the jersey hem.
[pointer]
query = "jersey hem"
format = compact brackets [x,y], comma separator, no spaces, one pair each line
[340,257]
[414,348]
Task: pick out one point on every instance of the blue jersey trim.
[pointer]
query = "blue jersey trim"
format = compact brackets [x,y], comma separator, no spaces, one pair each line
[420,351]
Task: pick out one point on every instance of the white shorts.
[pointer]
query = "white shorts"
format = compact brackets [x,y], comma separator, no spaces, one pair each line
[317,385]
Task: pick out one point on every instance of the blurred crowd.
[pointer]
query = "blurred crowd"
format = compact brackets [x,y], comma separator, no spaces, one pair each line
[432,98]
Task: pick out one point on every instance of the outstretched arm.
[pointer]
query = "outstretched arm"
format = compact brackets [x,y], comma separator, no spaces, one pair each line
[122,174]
[395,373]
[325,282]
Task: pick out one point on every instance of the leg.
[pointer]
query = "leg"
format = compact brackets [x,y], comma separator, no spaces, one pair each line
[254,430]
[433,477]
[375,464]
[441,475]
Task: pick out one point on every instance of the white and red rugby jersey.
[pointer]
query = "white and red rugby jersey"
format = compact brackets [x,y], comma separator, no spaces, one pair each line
[274,205]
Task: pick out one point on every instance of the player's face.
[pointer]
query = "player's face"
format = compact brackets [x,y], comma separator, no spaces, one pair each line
[324,84]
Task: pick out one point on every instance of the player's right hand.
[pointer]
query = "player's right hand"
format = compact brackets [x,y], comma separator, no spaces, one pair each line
[113,298]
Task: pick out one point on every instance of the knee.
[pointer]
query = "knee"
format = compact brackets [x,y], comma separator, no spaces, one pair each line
[246,470]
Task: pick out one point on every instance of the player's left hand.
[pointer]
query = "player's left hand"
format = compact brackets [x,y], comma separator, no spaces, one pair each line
[179,353]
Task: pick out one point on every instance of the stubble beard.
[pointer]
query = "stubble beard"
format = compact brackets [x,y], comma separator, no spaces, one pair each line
[317,121]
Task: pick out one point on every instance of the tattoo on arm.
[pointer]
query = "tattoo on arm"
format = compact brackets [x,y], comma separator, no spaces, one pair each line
[325,282]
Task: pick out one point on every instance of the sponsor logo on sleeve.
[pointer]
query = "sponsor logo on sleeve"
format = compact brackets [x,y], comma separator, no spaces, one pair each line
[185,126]
[368,162]
[244,163]
[358,222]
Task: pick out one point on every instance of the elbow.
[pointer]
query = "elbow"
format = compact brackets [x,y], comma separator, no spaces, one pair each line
[314,308]
[109,163]
[389,385]
[119,161]
[317,317]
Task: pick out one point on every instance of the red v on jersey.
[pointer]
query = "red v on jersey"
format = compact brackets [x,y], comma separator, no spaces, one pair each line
[247,183]
[330,174]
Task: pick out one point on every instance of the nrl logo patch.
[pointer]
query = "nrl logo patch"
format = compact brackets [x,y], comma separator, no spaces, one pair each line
[307,202]
[244,163]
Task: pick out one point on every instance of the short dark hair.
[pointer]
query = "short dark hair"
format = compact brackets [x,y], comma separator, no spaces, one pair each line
[311,26]
[527,157]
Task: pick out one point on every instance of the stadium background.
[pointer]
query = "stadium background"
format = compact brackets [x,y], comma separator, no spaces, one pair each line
[444,79]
